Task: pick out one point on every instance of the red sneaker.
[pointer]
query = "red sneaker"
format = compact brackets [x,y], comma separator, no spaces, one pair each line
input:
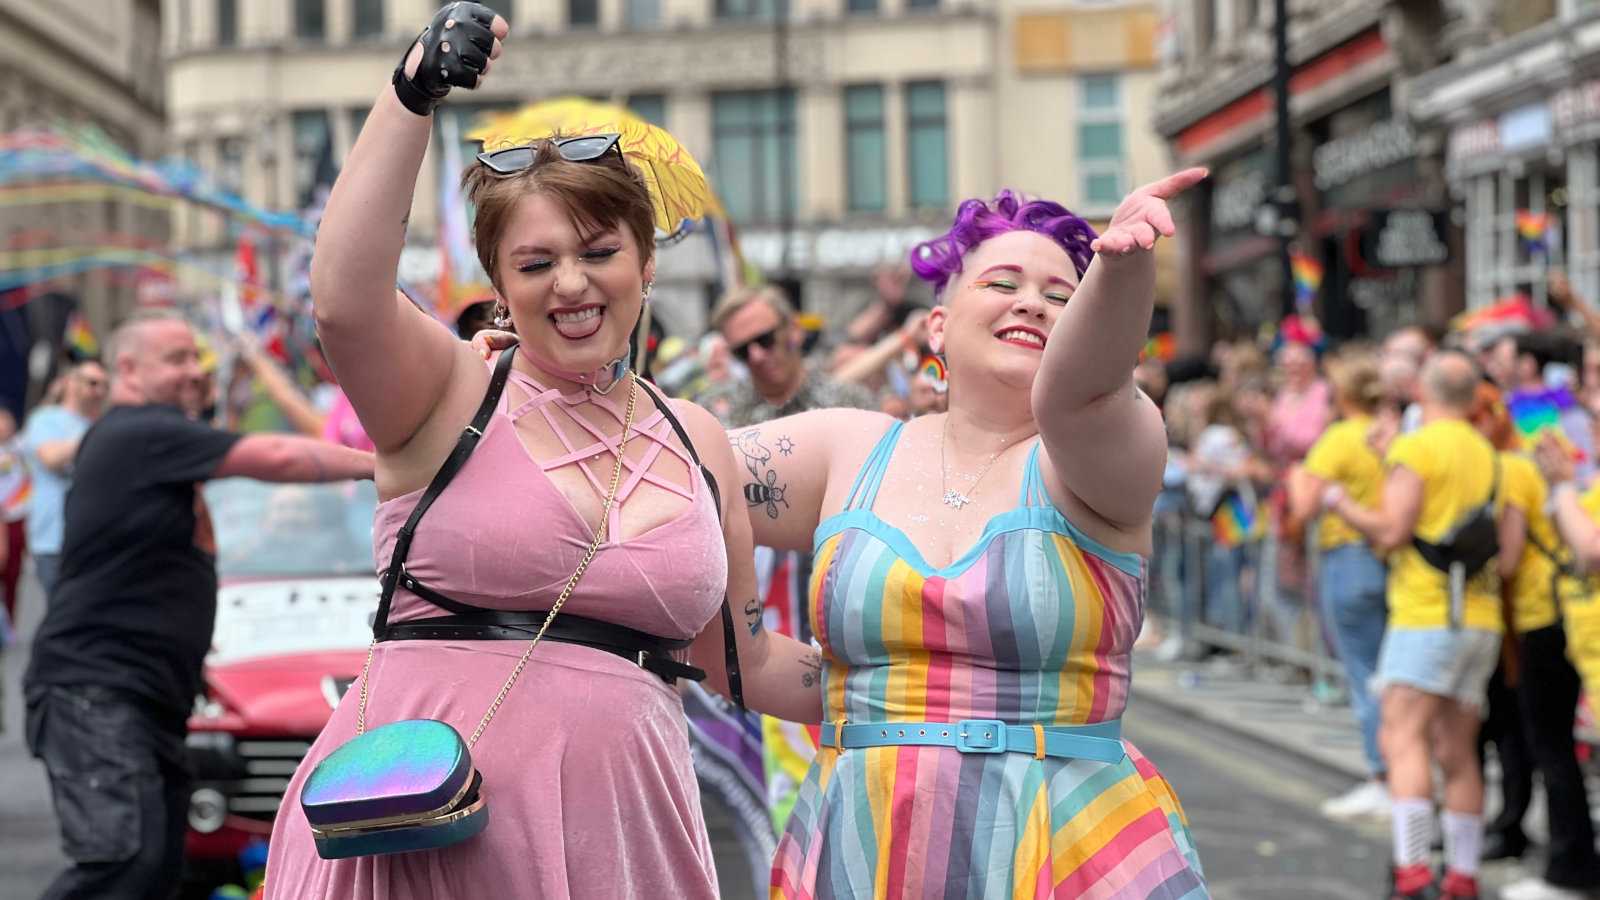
[1457,886]
[1411,883]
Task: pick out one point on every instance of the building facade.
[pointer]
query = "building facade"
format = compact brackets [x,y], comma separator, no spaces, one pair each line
[104,71]
[1366,193]
[838,134]
[1520,121]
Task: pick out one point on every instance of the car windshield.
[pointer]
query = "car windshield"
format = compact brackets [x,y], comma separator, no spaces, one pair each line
[292,530]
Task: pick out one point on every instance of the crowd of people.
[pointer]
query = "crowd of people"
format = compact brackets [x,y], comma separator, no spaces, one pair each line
[1418,507]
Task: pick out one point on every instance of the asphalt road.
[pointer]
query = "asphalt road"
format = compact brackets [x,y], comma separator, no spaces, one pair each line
[1253,812]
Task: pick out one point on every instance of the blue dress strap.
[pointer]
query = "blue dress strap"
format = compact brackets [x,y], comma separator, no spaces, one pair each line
[1033,490]
[865,489]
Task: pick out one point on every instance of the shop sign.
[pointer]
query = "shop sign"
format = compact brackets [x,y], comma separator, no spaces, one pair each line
[1403,238]
[1575,106]
[1341,161]
[1474,140]
[832,248]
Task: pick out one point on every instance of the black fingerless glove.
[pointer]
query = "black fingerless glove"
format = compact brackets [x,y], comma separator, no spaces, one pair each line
[455,51]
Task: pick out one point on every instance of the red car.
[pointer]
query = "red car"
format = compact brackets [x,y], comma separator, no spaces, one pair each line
[294,615]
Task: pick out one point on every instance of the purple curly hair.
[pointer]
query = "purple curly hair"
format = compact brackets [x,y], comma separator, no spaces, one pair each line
[939,260]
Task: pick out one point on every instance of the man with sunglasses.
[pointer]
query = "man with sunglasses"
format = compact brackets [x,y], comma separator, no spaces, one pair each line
[759,327]
[50,443]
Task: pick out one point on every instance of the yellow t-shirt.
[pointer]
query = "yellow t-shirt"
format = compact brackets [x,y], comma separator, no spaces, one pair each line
[1581,615]
[1342,456]
[1457,469]
[1522,487]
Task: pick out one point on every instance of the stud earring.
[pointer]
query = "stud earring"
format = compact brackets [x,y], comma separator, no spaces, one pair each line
[502,316]
[647,286]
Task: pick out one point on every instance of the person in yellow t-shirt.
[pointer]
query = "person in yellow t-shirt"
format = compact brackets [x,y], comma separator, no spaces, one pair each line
[1433,669]
[1351,577]
[1532,562]
[1577,518]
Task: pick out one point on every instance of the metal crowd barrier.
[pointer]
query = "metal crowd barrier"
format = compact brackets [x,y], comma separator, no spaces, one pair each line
[1215,599]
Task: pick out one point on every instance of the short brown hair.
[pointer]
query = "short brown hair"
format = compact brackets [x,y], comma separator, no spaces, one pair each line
[741,297]
[599,194]
[1356,381]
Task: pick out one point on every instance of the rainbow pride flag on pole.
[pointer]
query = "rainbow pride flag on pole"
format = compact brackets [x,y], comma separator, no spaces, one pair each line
[1538,413]
[79,340]
[1307,274]
[1532,228]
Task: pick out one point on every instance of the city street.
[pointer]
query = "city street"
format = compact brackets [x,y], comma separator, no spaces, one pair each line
[1253,812]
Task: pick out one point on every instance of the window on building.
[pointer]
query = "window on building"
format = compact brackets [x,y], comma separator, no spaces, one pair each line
[922,4]
[650,107]
[642,13]
[1205,25]
[367,19]
[1100,142]
[310,20]
[358,121]
[583,13]
[230,165]
[314,166]
[866,149]
[863,6]
[753,149]
[927,145]
[751,9]
[227,23]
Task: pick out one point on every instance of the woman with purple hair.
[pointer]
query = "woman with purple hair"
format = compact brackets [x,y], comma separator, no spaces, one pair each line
[979,581]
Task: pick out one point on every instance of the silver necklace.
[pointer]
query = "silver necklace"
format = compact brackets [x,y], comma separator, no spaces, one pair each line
[952,497]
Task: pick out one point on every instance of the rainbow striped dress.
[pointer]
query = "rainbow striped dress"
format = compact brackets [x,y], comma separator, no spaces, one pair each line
[1033,625]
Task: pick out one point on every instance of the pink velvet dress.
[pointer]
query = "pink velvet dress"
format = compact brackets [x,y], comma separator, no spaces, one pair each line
[586,766]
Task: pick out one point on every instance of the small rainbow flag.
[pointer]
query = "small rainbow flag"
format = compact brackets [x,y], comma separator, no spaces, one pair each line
[80,341]
[1161,346]
[932,368]
[1531,227]
[1537,412]
[1236,522]
[1307,274]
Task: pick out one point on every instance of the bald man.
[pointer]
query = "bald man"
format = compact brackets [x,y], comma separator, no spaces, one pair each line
[116,662]
[1444,634]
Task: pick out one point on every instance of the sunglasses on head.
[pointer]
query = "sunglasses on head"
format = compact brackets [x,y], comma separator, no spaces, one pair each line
[590,148]
[767,341]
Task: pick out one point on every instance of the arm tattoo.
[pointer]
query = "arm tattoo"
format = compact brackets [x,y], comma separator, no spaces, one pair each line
[752,615]
[813,664]
[763,489]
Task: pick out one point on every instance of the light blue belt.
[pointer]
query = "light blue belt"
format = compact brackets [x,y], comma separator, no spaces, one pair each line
[1101,741]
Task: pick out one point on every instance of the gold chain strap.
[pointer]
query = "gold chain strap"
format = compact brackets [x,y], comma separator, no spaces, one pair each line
[594,547]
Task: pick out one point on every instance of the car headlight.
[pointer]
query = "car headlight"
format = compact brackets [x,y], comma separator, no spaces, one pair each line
[208,809]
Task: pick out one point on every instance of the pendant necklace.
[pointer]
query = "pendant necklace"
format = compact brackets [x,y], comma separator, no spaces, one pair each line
[952,497]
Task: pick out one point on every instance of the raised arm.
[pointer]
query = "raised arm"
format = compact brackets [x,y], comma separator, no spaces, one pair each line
[1103,438]
[781,676]
[393,361]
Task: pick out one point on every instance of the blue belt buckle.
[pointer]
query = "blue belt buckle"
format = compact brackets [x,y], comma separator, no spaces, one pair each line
[981,736]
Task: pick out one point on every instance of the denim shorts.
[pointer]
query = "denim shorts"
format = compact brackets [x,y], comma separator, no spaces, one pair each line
[1454,663]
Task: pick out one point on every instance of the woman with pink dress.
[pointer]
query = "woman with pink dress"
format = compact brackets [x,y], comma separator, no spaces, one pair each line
[585,764]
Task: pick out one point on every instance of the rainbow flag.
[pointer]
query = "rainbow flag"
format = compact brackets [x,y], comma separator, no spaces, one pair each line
[1536,413]
[1531,227]
[1161,346]
[80,341]
[1237,522]
[1307,274]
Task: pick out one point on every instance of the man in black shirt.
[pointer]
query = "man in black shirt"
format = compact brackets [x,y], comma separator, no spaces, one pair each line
[116,662]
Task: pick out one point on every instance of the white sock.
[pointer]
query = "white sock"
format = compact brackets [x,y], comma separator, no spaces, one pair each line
[1413,831]
[1463,841]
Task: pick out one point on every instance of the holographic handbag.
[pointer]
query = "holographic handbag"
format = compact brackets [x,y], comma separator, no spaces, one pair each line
[411,785]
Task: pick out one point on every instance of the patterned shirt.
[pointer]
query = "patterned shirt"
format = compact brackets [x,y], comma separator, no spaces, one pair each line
[739,405]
